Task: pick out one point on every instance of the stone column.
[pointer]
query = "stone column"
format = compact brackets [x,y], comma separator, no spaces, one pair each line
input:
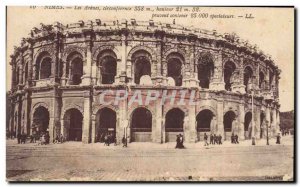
[86,117]
[157,127]
[217,81]
[87,68]
[268,120]
[220,113]
[30,62]
[125,66]
[93,128]
[241,129]
[278,121]
[213,125]
[273,124]
[192,124]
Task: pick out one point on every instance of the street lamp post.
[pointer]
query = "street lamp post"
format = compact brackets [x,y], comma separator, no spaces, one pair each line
[252,111]
[268,101]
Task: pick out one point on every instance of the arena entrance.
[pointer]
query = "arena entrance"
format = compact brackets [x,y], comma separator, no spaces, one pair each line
[141,125]
[204,119]
[40,121]
[227,120]
[247,121]
[174,124]
[105,125]
[73,125]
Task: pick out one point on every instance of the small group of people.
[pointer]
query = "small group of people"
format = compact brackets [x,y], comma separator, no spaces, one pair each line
[285,131]
[179,142]
[234,139]
[44,138]
[59,139]
[109,138]
[214,139]
[21,138]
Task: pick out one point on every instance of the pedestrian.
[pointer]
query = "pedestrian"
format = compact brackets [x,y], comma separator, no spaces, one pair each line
[31,138]
[124,141]
[278,139]
[23,138]
[61,138]
[232,138]
[236,139]
[177,142]
[205,140]
[220,139]
[215,139]
[211,139]
[181,141]
[19,138]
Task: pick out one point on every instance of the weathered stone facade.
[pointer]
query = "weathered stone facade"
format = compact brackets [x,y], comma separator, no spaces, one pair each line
[59,72]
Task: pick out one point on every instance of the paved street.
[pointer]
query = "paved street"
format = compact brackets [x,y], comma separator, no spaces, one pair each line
[150,162]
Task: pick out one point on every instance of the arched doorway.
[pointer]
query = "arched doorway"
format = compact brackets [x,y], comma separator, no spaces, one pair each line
[45,69]
[261,80]
[142,65]
[141,125]
[74,68]
[229,68]
[228,119]
[174,124]
[248,73]
[247,122]
[107,65]
[204,119]
[105,124]
[205,69]
[73,125]
[40,120]
[174,66]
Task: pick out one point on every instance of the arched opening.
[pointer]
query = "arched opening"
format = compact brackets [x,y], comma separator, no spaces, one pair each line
[45,69]
[205,70]
[73,125]
[107,65]
[76,71]
[142,65]
[174,66]
[261,80]
[262,121]
[105,124]
[229,68]
[204,119]
[141,125]
[108,70]
[228,119]
[40,121]
[247,121]
[248,73]
[174,124]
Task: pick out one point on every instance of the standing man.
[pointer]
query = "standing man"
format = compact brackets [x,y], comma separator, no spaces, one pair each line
[220,139]
[211,139]
[205,140]
[236,139]
[215,139]
[124,141]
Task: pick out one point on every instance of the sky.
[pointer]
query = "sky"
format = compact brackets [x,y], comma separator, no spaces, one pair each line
[271,29]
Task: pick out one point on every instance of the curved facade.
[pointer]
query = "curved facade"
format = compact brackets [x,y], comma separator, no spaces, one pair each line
[59,72]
